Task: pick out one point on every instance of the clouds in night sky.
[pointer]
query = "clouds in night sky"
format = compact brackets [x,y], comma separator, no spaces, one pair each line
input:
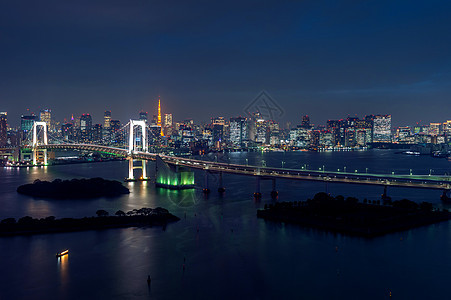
[322,58]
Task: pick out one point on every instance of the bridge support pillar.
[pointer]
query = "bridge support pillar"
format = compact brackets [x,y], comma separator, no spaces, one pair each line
[206,190]
[36,152]
[257,194]
[385,198]
[131,167]
[274,192]
[445,196]
[221,188]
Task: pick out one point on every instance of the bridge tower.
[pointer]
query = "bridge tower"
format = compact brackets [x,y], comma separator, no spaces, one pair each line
[35,143]
[132,148]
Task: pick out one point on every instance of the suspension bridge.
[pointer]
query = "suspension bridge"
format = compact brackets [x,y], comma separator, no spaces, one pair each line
[134,146]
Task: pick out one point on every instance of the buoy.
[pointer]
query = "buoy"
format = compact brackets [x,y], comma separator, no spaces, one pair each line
[148,279]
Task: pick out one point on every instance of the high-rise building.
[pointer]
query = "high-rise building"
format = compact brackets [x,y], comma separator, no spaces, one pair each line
[85,128]
[97,133]
[305,121]
[238,131]
[167,120]
[402,133]
[45,115]
[3,129]
[434,129]
[143,115]
[218,121]
[447,130]
[107,119]
[365,125]
[260,131]
[382,128]
[115,136]
[67,131]
[26,125]
[273,133]
[115,125]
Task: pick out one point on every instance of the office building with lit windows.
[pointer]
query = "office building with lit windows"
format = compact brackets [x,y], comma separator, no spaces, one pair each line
[238,131]
[3,129]
[382,128]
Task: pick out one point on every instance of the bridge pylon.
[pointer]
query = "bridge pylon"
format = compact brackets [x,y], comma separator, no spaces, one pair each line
[35,143]
[132,146]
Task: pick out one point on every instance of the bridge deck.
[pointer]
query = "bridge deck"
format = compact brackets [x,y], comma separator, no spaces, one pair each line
[408,181]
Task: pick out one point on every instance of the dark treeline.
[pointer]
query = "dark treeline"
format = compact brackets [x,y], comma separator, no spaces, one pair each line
[137,217]
[367,218]
[73,189]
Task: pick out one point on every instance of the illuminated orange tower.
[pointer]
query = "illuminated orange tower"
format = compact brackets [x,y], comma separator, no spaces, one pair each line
[159,117]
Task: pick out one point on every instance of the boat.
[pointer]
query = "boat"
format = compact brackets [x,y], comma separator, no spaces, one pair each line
[65,252]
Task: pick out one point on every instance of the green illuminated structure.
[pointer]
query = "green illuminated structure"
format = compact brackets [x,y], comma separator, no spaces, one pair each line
[173,177]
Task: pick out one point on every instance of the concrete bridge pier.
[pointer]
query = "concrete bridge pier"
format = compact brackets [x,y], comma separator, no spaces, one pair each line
[221,188]
[445,196]
[206,190]
[257,194]
[274,192]
[131,167]
[385,198]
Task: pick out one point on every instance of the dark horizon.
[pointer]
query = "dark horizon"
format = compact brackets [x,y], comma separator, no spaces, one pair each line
[206,59]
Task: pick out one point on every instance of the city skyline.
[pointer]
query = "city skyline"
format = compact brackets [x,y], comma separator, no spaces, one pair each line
[98,117]
[213,59]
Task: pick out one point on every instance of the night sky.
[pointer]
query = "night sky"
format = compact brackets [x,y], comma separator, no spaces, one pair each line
[327,59]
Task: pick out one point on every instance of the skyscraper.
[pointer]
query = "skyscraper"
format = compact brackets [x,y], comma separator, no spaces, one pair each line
[260,131]
[107,119]
[305,121]
[238,130]
[3,129]
[434,129]
[167,120]
[382,128]
[26,125]
[45,115]
[143,116]
[85,128]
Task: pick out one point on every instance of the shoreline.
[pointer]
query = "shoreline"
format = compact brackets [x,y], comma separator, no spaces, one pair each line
[353,218]
[30,226]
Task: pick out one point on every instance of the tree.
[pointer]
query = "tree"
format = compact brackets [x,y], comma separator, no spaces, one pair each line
[102,213]
[25,220]
[9,221]
[120,213]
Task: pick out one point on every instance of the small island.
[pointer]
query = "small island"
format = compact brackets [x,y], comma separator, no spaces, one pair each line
[349,216]
[74,189]
[136,218]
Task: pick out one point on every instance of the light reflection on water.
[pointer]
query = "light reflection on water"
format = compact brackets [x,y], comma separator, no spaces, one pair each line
[227,252]
[63,269]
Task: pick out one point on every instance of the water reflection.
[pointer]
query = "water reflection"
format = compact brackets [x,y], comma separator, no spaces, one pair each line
[179,198]
[63,270]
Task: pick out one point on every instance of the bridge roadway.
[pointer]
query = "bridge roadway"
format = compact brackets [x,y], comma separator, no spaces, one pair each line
[407,181]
